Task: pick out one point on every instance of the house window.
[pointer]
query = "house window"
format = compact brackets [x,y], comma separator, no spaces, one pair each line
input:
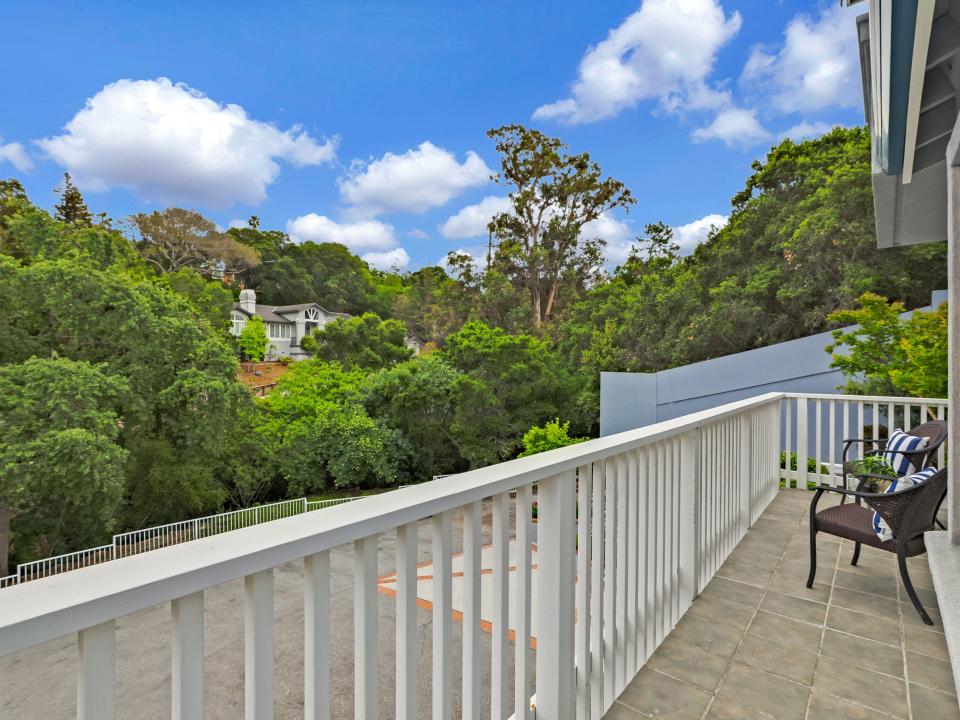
[278,331]
[237,323]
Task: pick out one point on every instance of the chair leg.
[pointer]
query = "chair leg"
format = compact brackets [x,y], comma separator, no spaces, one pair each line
[908,584]
[856,554]
[813,554]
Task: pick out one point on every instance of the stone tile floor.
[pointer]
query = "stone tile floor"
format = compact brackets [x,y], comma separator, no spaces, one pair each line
[758,644]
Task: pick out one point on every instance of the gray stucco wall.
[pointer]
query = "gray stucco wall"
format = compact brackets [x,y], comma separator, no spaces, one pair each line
[632,400]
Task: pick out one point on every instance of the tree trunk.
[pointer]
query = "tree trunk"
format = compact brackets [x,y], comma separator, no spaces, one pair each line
[551,301]
[4,541]
[535,307]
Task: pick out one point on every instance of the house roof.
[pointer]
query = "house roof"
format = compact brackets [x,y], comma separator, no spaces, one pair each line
[274,313]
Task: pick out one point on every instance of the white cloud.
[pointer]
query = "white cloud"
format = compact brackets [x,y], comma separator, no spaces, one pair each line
[361,236]
[664,50]
[735,127]
[472,220]
[419,179]
[417,234]
[816,67]
[170,143]
[477,255]
[15,154]
[607,228]
[693,233]
[395,259]
[807,130]
[239,223]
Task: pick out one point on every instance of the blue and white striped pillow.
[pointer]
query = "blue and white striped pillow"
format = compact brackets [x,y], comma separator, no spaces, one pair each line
[880,526]
[899,443]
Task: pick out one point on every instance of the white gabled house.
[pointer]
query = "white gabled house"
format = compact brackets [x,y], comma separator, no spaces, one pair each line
[286,325]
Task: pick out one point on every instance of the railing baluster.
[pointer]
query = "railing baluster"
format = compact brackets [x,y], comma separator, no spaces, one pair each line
[610,585]
[365,671]
[472,542]
[186,679]
[584,571]
[623,499]
[442,619]
[597,590]
[406,648]
[555,606]
[499,698]
[632,632]
[803,443]
[521,680]
[818,439]
[832,429]
[97,672]
[316,631]
[258,645]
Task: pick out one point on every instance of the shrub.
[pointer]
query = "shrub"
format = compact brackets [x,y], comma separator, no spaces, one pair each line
[549,437]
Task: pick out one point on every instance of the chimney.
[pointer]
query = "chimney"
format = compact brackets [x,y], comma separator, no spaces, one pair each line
[248,301]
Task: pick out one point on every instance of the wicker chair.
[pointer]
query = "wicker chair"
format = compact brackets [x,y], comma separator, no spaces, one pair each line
[909,513]
[935,430]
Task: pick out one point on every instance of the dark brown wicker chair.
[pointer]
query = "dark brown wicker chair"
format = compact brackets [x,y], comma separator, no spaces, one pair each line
[936,430]
[909,513]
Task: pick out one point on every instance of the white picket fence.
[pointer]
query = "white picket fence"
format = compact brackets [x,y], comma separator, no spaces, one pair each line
[154,538]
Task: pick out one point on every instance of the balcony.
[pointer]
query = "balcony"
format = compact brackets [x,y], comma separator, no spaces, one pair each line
[661,575]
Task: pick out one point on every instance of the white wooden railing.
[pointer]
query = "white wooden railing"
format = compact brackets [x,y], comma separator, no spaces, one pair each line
[814,427]
[160,536]
[629,529]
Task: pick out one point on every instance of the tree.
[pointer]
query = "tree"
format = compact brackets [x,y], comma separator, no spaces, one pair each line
[509,383]
[181,373]
[364,342]
[61,469]
[553,195]
[417,401]
[550,436]
[72,209]
[253,339]
[886,354]
[176,238]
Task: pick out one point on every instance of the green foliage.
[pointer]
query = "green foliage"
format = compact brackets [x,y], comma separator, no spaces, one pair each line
[886,354]
[550,436]
[509,383]
[800,243]
[811,464]
[72,209]
[417,400]
[875,465]
[253,339]
[338,446]
[211,299]
[364,342]
[324,437]
[61,468]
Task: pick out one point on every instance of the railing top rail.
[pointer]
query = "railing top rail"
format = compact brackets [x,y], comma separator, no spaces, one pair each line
[870,398]
[52,607]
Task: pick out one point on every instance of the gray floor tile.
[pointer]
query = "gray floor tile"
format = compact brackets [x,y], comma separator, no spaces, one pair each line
[724,709]
[764,692]
[931,704]
[861,686]
[777,658]
[657,695]
[800,635]
[688,663]
[865,653]
[826,707]
[708,634]
[867,626]
[794,607]
[930,672]
[870,604]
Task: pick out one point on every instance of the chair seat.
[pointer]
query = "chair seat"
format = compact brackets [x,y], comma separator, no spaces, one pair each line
[853,522]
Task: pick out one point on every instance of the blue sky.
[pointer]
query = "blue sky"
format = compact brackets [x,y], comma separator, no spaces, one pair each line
[364,122]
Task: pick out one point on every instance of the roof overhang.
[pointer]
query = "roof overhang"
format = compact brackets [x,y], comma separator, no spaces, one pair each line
[910,81]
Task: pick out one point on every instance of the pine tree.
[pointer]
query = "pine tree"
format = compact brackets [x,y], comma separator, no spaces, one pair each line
[72,208]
